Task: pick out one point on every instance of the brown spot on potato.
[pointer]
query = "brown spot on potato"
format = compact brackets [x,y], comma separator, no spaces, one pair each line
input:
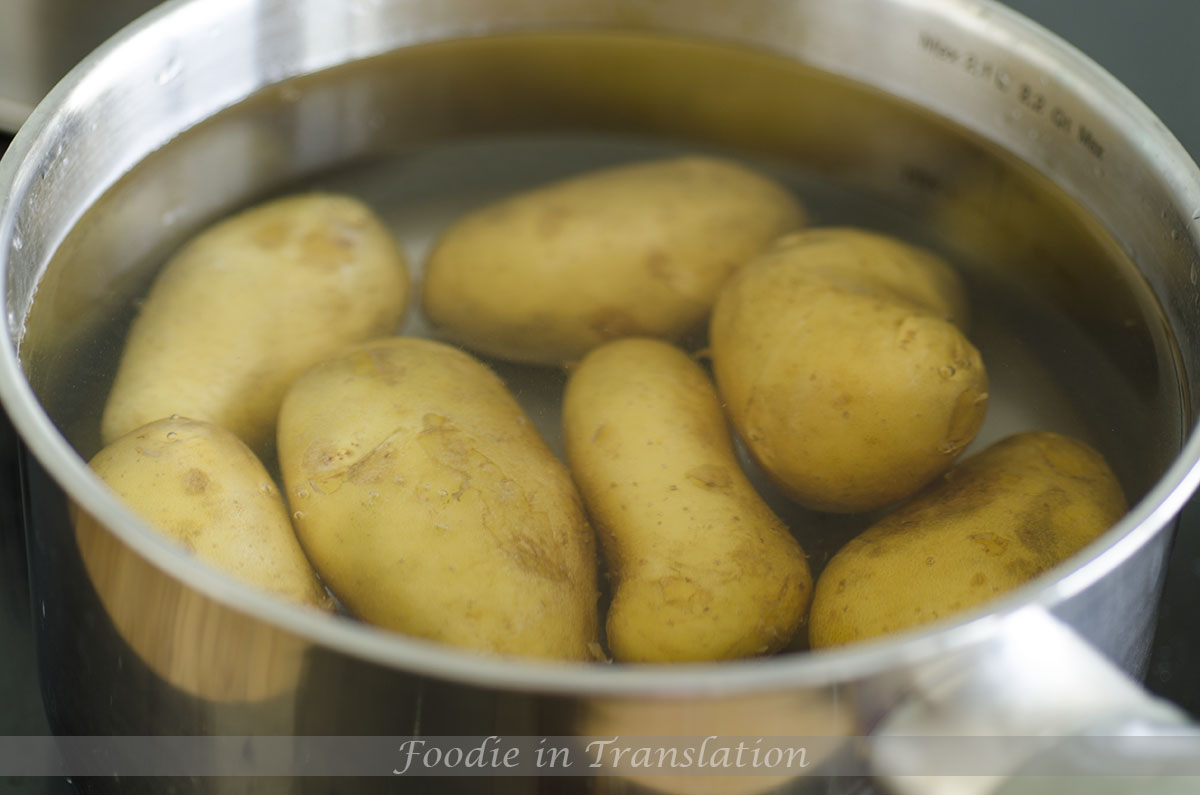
[614,323]
[1022,569]
[978,579]
[990,544]
[552,219]
[658,265]
[271,235]
[325,248]
[710,476]
[195,481]
[1035,529]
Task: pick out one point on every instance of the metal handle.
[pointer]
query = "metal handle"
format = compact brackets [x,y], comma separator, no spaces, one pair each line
[1045,712]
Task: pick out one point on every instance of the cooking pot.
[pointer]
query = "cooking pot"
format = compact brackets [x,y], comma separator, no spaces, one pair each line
[955,123]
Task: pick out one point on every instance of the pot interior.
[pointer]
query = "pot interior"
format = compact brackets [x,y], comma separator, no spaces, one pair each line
[1074,334]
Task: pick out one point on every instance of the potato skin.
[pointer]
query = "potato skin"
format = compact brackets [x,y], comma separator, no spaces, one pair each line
[849,392]
[993,522]
[430,504]
[249,304]
[636,250]
[702,569]
[201,486]
[859,259]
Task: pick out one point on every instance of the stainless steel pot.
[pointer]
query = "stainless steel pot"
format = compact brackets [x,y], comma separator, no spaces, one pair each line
[954,122]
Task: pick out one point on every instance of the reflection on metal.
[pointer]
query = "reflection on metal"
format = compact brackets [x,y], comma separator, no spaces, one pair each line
[1029,698]
[192,642]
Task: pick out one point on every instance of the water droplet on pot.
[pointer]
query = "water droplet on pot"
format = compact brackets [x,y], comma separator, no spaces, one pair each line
[17,243]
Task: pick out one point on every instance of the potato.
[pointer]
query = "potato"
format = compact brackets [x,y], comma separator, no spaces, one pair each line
[841,370]
[249,304]
[637,250]
[201,486]
[430,505]
[860,259]
[702,569]
[995,521]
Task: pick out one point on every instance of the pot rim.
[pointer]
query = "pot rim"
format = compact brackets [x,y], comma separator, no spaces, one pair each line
[1151,515]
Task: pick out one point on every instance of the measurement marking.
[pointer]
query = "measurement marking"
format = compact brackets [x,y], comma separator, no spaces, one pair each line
[1028,93]
[1089,142]
[938,48]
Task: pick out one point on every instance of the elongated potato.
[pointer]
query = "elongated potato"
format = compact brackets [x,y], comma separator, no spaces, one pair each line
[247,305]
[841,370]
[995,521]
[638,250]
[430,505]
[202,487]
[702,569]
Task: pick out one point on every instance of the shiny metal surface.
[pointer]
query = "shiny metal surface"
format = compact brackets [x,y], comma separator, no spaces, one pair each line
[1042,698]
[228,85]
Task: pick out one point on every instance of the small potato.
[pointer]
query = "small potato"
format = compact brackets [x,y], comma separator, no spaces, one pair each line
[841,371]
[201,486]
[638,250]
[995,521]
[430,504]
[702,569]
[248,305]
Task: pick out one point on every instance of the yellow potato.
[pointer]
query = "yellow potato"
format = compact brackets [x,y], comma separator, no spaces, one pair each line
[859,259]
[638,250]
[841,371]
[430,504]
[248,305]
[202,487]
[702,569]
[995,521]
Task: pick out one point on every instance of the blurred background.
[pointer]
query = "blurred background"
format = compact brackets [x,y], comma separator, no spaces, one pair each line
[1150,45]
